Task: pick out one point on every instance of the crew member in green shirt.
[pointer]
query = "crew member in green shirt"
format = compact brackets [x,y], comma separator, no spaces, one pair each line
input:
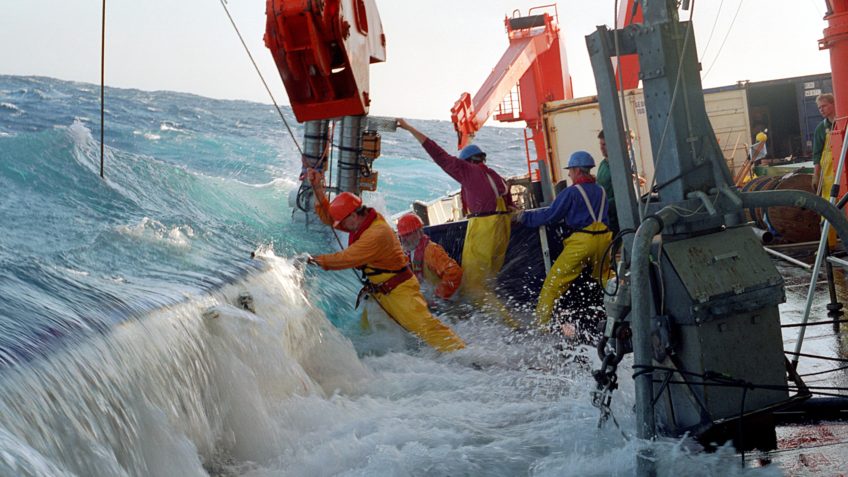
[604,179]
[822,158]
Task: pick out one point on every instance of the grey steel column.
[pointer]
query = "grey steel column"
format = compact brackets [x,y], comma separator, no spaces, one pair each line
[315,142]
[350,145]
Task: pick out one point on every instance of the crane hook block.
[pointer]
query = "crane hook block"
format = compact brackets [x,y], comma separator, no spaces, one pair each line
[323,50]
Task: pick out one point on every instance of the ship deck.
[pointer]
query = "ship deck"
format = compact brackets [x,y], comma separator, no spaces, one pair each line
[813,447]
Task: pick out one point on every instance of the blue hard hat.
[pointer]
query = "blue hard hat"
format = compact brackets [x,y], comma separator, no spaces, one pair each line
[470,151]
[581,159]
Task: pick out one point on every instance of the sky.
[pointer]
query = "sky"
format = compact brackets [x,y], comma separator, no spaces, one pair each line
[436,49]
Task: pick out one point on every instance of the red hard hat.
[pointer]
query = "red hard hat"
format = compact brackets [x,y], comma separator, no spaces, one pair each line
[343,205]
[409,223]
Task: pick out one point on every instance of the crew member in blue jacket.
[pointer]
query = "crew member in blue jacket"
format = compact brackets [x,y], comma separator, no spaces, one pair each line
[583,208]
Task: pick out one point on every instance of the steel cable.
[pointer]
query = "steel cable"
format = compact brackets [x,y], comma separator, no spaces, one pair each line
[262,78]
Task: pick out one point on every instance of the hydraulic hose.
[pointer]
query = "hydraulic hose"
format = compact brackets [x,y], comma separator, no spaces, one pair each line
[835,218]
[804,200]
[640,319]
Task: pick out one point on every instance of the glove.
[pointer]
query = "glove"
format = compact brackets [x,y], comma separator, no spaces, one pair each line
[302,259]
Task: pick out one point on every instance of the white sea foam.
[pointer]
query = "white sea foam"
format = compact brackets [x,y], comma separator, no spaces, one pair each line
[152,230]
[170,126]
[167,394]
[11,107]
[71,271]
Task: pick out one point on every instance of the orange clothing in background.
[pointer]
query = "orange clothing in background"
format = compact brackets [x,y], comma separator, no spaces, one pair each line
[432,263]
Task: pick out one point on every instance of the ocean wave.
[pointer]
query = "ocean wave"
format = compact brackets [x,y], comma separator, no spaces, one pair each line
[280,183]
[147,135]
[178,387]
[85,146]
[11,107]
[152,230]
[171,126]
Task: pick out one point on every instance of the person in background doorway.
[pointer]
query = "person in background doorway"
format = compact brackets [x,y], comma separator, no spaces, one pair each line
[583,209]
[374,249]
[488,204]
[823,173]
[430,263]
[604,179]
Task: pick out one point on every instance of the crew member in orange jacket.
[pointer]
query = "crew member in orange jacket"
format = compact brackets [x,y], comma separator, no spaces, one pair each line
[429,261]
[374,249]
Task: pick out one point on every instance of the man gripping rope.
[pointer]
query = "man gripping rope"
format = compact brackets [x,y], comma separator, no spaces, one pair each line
[583,208]
[374,249]
[429,261]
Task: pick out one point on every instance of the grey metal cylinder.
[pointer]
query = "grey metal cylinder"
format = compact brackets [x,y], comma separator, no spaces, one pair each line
[350,145]
[315,138]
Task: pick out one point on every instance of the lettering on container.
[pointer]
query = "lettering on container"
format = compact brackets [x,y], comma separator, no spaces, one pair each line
[639,104]
[812,92]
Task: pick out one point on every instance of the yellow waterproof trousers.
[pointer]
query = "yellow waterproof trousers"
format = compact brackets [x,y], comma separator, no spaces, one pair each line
[484,250]
[483,255]
[581,249]
[828,175]
[827,172]
[408,308]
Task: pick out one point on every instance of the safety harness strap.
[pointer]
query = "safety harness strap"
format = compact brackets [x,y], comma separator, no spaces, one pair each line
[600,213]
[369,271]
[487,214]
[590,232]
[385,287]
[595,217]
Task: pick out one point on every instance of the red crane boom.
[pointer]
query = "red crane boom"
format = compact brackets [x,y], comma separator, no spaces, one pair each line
[535,62]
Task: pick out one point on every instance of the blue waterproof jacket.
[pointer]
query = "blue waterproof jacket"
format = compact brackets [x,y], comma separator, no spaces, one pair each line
[569,209]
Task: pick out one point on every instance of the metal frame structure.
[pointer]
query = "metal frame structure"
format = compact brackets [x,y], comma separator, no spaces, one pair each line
[690,242]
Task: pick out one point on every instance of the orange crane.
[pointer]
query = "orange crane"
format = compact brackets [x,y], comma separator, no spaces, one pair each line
[627,70]
[836,40]
[532,71]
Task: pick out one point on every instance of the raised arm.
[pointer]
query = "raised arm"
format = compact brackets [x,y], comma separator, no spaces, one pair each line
[322,204]
[455,168]
[403,124]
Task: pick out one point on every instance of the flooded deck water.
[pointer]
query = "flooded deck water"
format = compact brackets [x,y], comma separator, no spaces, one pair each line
[818,448]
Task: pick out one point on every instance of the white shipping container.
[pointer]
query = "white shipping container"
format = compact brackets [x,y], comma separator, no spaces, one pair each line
[574,124]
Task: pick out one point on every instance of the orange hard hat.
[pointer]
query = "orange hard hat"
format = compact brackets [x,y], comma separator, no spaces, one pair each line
[343,205]
[409,223]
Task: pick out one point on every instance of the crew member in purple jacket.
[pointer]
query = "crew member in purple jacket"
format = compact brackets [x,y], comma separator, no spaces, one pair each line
[487,203]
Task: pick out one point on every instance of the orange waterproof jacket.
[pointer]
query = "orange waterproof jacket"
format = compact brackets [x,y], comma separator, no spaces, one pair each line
[377,246]
[430,261]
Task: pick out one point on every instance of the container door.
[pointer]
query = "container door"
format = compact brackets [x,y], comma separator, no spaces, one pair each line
[808,91]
